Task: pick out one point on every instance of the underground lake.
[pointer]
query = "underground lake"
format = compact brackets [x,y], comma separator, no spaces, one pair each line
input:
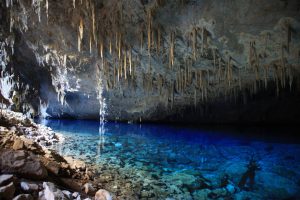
[149,99]
[161,161]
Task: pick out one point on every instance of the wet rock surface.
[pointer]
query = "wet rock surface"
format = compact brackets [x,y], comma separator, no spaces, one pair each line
[29,171]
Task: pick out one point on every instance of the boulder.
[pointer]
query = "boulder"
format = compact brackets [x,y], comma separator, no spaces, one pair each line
[75,164]
[7,192]
[29,187]
[18,144]
[51,192]
[5,179]
[102,195]
[71,183]
[23,163]
[23,197]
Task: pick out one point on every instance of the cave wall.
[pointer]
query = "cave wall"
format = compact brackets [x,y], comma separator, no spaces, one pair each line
[174,60]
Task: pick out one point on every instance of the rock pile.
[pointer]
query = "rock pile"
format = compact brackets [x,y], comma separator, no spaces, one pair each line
[28,170]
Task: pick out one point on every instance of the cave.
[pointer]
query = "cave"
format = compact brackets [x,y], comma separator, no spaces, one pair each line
[149,99]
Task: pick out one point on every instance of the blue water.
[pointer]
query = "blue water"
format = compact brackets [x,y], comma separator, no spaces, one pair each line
[162,161]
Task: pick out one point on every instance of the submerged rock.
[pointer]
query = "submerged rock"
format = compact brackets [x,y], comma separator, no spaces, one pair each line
[102,195]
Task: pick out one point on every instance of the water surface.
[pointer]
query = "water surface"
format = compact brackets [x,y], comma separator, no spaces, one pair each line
[162,161]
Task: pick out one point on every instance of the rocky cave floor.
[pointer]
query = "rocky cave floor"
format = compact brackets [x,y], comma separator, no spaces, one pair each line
[31,168]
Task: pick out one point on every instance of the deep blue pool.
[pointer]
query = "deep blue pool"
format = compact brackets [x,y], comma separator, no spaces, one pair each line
[162,161]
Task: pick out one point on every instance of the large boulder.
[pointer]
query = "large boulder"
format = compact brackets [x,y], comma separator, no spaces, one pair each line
[22,163]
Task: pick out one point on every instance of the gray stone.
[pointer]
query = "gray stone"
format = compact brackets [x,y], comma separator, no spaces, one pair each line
[29,186]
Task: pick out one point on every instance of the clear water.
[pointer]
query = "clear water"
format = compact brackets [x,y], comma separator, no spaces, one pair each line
[160,161]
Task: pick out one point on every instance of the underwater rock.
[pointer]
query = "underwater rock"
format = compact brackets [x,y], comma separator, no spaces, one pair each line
[7,192]
[23,197]
[75,164]
[22,163]
[102,195]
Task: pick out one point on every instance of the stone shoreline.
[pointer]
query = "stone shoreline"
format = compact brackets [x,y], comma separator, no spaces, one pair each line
[30,169]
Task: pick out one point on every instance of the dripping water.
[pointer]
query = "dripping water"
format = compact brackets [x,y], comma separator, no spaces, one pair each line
[102,107]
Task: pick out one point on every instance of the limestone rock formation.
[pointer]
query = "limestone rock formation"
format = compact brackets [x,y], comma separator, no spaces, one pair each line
[200,60]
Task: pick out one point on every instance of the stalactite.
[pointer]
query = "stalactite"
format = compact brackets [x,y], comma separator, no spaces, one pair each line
[141,39]
[125,65]
[74,3]
[149,26]
[195,98]
[80,34]
[240,80]
[172,46]
[266,69]
[119,45]
[110,46]
[90,44]
[194,42]
[47,8]
[11,22]
[101,49]
[130,62]
[202,41]
[93,23]
[158,41]
[229,71]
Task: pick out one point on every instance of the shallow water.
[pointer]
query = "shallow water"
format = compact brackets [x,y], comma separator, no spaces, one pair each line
[159,161]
